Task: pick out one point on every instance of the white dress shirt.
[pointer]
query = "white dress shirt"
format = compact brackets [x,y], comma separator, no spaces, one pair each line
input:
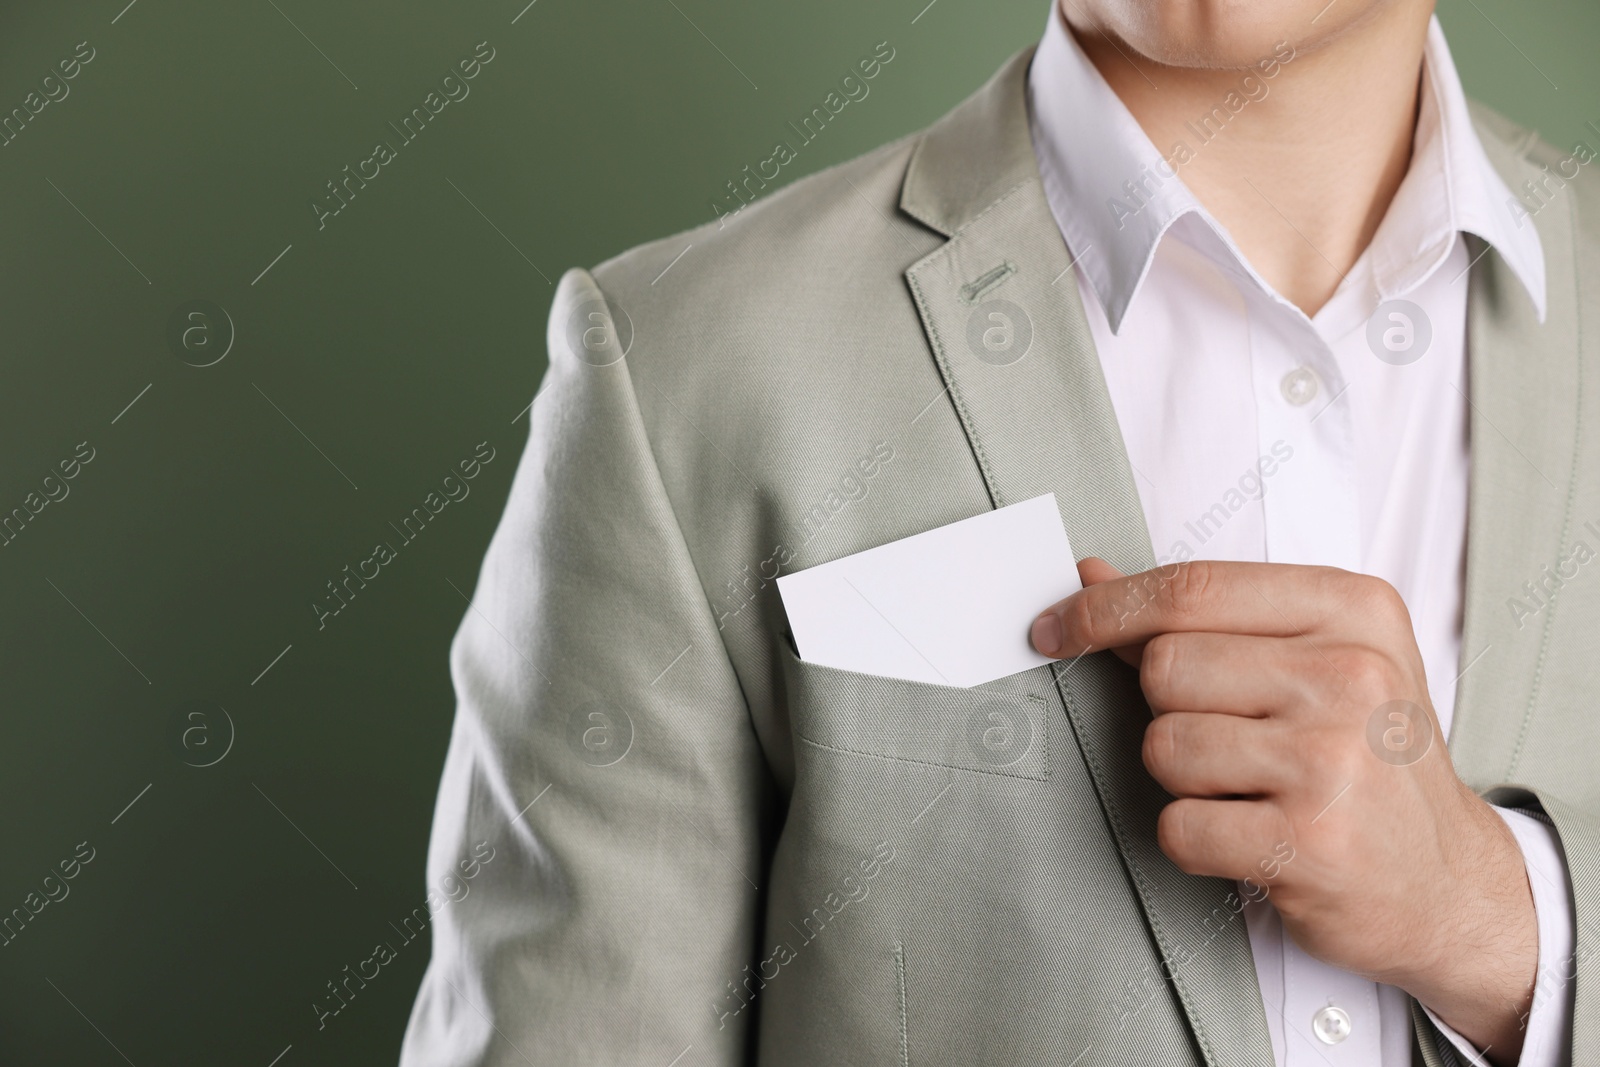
[1257,433]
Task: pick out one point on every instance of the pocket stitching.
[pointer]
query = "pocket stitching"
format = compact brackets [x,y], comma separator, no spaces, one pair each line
[1044,751]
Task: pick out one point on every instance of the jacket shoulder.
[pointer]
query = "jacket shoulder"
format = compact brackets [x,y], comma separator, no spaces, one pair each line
[1553,170]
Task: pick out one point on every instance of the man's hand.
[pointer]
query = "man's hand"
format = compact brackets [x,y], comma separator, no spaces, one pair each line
[1290,706]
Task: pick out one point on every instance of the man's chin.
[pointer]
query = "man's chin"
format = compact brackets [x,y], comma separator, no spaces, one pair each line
[1218,34]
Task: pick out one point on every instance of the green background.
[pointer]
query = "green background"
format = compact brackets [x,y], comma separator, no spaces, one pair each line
[375,353]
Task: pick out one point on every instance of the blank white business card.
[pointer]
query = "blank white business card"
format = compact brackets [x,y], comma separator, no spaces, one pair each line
[952,606]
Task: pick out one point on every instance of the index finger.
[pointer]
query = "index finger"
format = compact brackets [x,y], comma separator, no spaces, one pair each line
[1257,599]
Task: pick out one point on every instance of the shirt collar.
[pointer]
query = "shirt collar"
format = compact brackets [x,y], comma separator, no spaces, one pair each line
[1114,195]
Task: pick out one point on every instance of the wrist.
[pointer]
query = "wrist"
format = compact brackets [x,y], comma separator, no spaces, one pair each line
[1477,971]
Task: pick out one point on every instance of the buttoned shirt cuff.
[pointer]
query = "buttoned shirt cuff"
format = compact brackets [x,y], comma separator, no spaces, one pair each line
[1547,1037]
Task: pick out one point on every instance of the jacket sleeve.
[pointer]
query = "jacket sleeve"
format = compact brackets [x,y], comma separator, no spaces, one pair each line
[602,758]
[1570,978]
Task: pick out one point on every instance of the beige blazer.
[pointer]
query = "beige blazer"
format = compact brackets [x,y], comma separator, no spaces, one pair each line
[709,852]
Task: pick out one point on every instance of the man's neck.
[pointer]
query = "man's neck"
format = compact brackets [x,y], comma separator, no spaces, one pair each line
[1302,176]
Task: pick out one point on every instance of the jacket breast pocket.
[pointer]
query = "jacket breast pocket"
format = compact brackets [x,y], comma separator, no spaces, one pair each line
[996,728]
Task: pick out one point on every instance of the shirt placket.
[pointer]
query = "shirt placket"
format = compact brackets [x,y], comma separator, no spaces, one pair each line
[1311,515]
[1311,505]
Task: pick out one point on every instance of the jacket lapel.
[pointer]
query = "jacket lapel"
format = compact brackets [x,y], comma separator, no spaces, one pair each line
[1000,307]
[1524,422]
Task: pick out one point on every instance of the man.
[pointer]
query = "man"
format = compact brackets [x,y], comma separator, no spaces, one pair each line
[1267,305]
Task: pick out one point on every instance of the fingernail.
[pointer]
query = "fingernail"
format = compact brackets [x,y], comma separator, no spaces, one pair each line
[1047,634]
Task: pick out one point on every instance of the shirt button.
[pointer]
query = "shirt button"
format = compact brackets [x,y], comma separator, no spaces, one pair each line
[1299,386]
[1331,1025]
